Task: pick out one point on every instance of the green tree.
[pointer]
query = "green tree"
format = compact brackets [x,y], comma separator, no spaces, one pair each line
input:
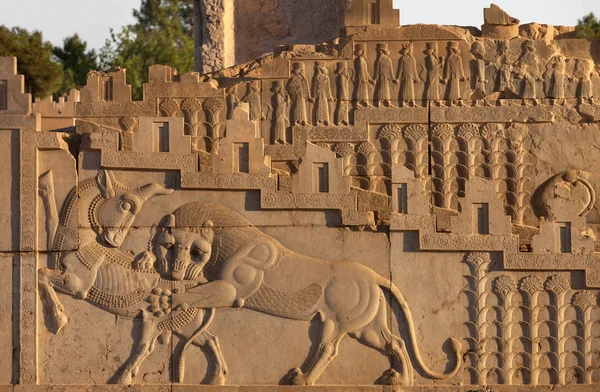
[162,34]
[76,61]
[588,27]
[43,76]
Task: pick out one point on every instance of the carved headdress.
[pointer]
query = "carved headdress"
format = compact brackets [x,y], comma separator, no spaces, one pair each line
[320,65]
[453,46]
[297,67]
[359,49]
[383,48]
[430,47]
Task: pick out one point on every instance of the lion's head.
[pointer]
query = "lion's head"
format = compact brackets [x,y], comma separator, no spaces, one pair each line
[197,238]
[182,252]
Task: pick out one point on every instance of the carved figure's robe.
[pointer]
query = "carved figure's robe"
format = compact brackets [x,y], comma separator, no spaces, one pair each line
[343,98]
[384,74]
[557,71]
[478,74]
[362,79]
[322,94]
[407,76]
[298,90]
[280,118]
[432,82]
[527,70]
[453,73]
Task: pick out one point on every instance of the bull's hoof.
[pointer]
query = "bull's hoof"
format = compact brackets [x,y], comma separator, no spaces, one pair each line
[59,320]
[123,378]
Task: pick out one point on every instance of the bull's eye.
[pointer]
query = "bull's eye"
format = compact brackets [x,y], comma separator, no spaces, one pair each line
[126,205]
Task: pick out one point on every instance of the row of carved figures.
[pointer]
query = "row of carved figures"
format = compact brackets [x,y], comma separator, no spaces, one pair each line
[530,331]
[300,101]
[443,77]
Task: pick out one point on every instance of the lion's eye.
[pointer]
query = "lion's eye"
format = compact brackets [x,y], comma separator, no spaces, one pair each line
[126,205]
[167,245]
[197,252]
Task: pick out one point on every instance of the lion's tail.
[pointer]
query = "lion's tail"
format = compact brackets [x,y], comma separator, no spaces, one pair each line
[456,345]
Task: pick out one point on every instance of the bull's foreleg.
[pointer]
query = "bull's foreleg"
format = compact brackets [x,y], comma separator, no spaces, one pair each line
[53,308]
[75,281]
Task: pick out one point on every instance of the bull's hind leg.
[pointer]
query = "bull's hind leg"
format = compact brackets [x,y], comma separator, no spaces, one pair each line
[197,333]
[377,335]
[327,352]
[142,349]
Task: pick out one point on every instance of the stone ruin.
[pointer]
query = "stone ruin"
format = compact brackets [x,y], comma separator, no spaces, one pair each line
[406,206]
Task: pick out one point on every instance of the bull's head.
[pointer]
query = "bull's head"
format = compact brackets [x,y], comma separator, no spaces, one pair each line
[118,210]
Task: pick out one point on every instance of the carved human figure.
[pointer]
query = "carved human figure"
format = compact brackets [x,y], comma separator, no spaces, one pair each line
[299,91]
[232,100]
[252,98]
[433,65]
[407,76]
[454,74]
[504,64]
[280,122]
[250,269]
[555,74]
[584,70]
[527,71]
[383,76]
[478,68]
[363,81]
[321,91]
[342,81]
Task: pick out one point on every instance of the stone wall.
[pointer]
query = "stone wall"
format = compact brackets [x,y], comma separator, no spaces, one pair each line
[409,206]
[237,31]
[282,22]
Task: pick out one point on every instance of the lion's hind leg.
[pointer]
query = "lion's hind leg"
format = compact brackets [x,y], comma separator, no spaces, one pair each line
[378,336]
[328,350]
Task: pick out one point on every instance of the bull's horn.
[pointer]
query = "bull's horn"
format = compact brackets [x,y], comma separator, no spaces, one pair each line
[148,191]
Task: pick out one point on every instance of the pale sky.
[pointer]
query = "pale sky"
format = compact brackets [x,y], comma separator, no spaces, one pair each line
[92,19]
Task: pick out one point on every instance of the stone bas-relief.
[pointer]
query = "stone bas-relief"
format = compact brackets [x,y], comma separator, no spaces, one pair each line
[400,208]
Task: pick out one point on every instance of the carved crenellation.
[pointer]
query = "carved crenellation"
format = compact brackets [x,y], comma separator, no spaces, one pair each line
[527,330]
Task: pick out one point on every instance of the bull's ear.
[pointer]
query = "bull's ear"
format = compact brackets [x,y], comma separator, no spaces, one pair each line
[105,180]
[168,221]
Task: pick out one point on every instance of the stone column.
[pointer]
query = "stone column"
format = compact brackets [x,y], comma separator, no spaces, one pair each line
[197,36]
[214,35]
